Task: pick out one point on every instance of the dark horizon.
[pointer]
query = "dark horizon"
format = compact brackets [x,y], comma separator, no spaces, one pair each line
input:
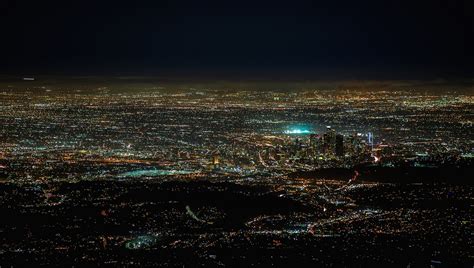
[344,40]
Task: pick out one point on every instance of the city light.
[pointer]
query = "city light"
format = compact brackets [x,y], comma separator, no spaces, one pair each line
[298,131]
[152,176]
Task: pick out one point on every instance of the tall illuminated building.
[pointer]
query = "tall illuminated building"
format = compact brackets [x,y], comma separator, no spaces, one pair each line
[329,141]
[370,140]
[350,144]
[216,160]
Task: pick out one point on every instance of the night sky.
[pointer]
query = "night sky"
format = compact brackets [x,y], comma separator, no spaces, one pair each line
[377,39]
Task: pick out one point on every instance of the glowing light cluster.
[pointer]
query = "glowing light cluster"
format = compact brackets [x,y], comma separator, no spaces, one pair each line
[297,131]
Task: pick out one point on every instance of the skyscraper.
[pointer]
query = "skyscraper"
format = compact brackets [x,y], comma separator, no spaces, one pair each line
[370,140]
[329,141]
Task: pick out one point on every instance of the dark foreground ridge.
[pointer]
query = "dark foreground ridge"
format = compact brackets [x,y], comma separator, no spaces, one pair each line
[288,222]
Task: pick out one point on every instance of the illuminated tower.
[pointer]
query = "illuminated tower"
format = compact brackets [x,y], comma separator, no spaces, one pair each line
[215,159]
[329,141]
[370,140]
[325,143]
[350,144]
